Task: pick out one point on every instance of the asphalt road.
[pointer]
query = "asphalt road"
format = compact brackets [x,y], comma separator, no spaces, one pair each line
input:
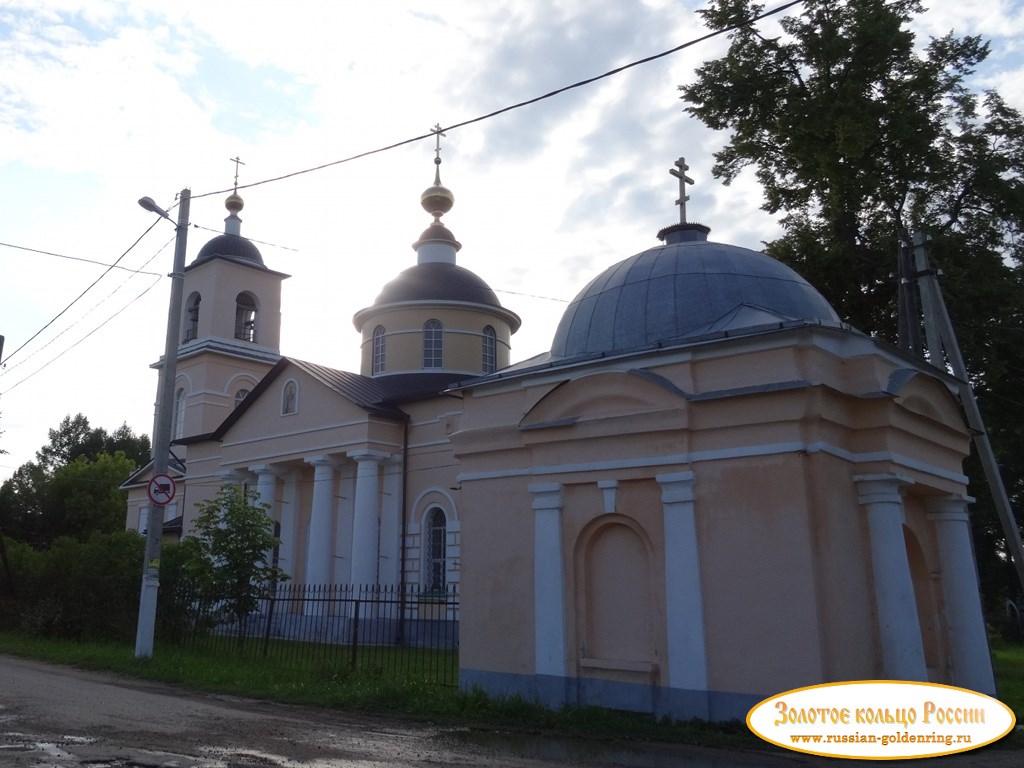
[60,717]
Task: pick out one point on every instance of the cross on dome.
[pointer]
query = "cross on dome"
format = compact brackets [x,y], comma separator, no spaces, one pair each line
[437,200]
[237,161]
[680,173]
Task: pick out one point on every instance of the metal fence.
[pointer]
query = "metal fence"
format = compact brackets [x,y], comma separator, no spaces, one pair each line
[391,630]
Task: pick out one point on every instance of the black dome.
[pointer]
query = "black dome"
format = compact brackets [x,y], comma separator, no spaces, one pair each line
[234,247]
[685,289]
[437,281]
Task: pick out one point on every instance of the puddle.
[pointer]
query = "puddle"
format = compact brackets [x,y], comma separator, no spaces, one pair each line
[589,753]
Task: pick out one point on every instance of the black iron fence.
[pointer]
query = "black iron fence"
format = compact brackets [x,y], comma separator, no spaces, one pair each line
[395,630]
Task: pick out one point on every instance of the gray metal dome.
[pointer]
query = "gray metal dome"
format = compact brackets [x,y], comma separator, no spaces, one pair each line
[437,281]
[684,289]
[228,246]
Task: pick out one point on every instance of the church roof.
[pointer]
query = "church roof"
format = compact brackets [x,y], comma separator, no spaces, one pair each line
[381,396]
[437,281]
[233,247]
[685,289]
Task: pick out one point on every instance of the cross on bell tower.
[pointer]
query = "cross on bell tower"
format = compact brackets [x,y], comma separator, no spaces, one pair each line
[680,173]
[237,161]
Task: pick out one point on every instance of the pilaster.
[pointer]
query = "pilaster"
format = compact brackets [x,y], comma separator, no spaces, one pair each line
[972,666]
[899,630]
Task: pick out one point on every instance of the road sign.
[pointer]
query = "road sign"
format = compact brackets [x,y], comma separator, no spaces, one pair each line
[161,489]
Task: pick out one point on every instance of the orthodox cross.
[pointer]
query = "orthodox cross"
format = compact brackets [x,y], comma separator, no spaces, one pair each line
[436,130]
[680,173]
[237,163]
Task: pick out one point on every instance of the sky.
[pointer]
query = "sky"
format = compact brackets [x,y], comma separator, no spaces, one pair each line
[103,102]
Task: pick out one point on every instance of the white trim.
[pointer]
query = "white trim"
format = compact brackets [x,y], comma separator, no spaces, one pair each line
[415,507]
[746,451]
[684,601]
[548,581]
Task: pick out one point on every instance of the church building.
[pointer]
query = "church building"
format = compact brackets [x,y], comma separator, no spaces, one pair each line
[708,491]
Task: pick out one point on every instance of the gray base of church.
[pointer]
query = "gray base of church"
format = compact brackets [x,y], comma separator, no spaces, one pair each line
[555,692]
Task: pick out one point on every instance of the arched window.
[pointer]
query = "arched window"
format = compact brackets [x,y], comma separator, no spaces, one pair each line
[378,350]
[433,344]
[290,398]
[245,317]
[191,330]
[240,395]
[436,551]
[490,350]
[179,414]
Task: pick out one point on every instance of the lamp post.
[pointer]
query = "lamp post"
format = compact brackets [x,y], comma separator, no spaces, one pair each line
[162,433]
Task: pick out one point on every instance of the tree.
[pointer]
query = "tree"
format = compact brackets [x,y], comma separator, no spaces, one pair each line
[73,488]
[234,536]
[84,496]
[75,437]
[856,136]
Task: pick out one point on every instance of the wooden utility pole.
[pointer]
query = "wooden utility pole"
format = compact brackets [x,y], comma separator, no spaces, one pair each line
[940,337]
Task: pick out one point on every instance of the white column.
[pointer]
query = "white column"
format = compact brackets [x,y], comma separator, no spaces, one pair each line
[548,580]
[391,524]
[346,512]
[684,600]
[266,485]
[367,514]
[900,631]
[972,666]
[319,552]
[289,533]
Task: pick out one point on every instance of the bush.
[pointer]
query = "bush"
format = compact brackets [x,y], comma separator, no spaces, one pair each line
[80,590]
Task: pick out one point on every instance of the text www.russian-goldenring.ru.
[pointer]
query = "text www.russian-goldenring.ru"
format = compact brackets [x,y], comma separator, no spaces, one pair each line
[884,739]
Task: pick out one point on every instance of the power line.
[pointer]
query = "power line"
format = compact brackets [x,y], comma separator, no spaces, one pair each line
[69,306]
[89,312]
[250,239]
[90,333]
[75,258]
[395,145]
[519,105]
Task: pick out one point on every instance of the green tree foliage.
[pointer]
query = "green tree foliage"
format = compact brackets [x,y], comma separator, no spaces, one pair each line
[72,489]
[84,590]
[74,438]
[84,496]
[234,539]
[855,133]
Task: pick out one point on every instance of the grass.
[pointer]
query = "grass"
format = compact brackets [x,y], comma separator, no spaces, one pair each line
[1008,661]
[373,690]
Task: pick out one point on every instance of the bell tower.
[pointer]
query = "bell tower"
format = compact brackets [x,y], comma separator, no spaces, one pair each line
[230,331]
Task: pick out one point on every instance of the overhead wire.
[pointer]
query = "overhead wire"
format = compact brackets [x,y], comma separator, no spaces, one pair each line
[394,145]
[90,311]
[76,258]
[75,300]
[518,105]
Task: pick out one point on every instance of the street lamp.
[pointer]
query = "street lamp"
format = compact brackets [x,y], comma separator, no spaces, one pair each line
[162,433]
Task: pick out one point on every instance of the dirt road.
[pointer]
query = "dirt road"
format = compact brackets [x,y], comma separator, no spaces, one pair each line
[59,717]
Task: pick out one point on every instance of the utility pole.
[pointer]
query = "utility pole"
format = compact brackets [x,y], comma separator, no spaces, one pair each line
[940,337]
[162,437]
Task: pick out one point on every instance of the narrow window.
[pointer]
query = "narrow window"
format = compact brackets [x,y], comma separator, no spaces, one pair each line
[490,350]
[290,398]
[245,317]
[192,319]
[437,550]
[179,413]
[432,344]
[240,395]
[378,350]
